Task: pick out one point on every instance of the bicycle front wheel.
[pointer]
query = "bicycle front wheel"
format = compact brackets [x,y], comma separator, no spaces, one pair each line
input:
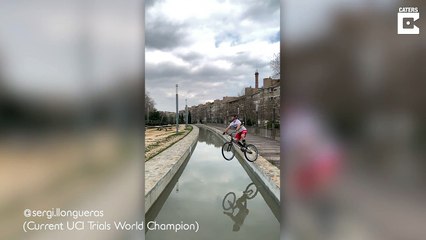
[251,191]
[228,150]
[251,153]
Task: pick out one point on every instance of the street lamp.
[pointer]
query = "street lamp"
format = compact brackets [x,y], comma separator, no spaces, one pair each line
[177,112]
[257,114]
[186,113]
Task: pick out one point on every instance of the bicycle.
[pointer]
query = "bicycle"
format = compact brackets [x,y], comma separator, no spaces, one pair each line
[228,151]
[229,201]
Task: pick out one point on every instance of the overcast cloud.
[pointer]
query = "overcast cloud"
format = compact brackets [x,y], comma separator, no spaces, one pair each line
[211,48]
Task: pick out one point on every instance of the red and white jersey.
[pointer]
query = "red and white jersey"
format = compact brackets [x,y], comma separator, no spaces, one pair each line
[234,124]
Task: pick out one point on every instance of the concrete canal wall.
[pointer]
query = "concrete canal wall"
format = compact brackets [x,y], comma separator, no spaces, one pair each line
[160,170]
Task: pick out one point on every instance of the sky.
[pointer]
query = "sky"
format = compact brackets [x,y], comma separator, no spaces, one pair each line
[210,48]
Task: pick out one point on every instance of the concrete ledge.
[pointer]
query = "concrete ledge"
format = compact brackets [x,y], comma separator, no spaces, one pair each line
[160,169]
[267,173]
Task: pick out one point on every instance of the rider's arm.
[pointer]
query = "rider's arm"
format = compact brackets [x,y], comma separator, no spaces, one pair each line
[238,127]
[226,130]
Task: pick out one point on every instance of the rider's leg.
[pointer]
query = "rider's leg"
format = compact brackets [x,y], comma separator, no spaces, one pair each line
[243,138]
[238,138]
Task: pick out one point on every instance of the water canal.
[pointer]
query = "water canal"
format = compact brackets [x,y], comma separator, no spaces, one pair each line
[196,197]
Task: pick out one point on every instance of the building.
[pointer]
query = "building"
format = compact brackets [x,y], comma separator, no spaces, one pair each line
[258,106]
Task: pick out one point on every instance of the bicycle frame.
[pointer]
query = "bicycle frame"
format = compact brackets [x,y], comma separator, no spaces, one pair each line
[233,140]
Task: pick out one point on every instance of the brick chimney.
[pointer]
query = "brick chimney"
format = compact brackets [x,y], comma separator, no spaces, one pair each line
[256,83]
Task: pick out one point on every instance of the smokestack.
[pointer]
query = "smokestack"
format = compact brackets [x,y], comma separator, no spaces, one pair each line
[256,83]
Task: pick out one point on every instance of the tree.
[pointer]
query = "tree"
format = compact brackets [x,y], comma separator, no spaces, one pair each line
[242,92]
[149,108]
[249,110]
[275,65]
[189,117]
[181,119]
[149,103]
[155,117]
[171,118]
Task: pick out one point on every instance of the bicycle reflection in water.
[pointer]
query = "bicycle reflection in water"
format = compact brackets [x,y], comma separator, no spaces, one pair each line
[230,203]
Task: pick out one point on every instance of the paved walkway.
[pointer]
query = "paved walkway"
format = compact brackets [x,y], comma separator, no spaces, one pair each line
[268,148]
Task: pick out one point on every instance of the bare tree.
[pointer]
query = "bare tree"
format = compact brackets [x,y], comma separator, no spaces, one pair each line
[249,110]
[149,103]
[242,92]
[275,65]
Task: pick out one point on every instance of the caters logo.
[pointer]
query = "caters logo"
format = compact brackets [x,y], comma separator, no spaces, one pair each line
[407,17]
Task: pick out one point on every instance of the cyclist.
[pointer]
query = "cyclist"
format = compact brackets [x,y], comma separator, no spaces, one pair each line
[239,128]
[239,218]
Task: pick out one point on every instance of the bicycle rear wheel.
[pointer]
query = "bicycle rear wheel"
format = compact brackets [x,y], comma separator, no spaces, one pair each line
[251,153]
[229,201]
[228,151]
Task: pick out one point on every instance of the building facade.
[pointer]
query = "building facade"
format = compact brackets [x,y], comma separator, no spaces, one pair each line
[258,106]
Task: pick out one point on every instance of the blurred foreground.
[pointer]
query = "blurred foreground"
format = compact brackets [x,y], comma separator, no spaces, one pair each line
[355,121]
[70,132]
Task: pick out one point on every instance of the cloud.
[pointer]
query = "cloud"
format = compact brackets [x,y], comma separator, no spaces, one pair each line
[229,36]
[151,3]
[190,57]
[262,11]
[275,37]
[210,48]
[165,71]
[165,35]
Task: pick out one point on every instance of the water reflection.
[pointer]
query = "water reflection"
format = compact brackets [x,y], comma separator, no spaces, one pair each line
[197,195]
[229,204]
[209,138]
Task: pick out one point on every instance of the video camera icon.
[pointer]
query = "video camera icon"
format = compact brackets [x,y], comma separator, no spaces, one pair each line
[406,23]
